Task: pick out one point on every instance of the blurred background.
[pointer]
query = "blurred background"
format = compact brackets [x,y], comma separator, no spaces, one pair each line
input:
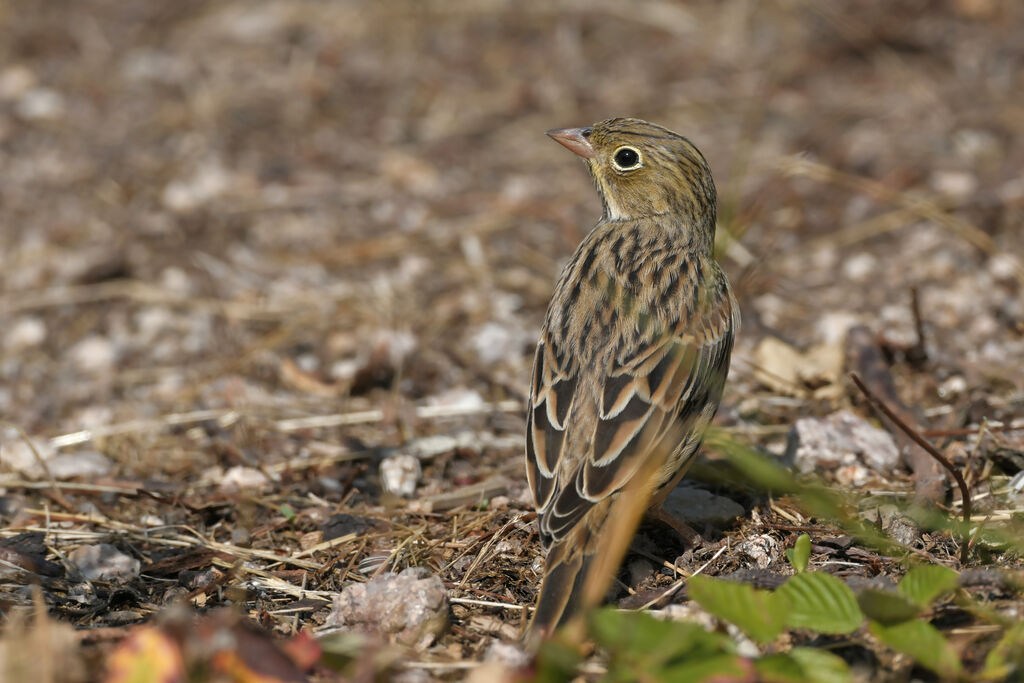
[291,208]
[209,204]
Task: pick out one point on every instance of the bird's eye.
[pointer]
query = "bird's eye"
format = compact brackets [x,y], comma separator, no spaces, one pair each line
[626,159]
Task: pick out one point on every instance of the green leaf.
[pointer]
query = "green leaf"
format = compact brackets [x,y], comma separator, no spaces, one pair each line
[754,469]
[800,553]
[926,583]
[638,640]
[722,667]
[642,647]
[757,470]
[759,614]
[555,662]
[923,642]
[341,648]
[803,665]
[821,602]
[1007,657]
[286,511]
[780,668]
[821,666]
[886,606]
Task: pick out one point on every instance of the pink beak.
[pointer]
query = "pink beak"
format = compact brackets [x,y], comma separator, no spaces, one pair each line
[574,139]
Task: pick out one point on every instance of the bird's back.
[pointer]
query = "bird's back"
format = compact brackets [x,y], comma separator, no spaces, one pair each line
[637,336]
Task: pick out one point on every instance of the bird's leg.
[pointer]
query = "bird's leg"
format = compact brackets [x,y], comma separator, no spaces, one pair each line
[656,512]
[688,534]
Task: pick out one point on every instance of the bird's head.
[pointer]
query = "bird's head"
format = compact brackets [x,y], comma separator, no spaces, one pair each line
[641,169]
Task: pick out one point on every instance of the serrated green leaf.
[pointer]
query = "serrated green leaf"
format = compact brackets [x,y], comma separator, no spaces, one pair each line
[802,665]
[886,606]
[779,668]
[821,666]
[760,614]
[638,640]
[723,667]
[921,641]
[1007,657]
[800,553]
[640,645]
[821,602]
[926,583]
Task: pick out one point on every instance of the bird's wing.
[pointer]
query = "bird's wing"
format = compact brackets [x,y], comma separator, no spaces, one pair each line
[653,395]
[552,395]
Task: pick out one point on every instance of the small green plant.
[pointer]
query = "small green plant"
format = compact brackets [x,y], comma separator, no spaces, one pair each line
[642,648]
[821,603]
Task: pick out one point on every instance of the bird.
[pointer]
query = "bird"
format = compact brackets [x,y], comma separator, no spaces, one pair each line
[633,352]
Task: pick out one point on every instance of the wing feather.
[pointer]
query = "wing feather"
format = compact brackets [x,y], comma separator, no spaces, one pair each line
[655,390]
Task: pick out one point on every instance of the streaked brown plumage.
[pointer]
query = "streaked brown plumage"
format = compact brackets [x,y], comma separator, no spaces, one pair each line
[634,350]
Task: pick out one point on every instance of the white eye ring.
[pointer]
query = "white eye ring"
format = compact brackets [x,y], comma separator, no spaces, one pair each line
[627,158]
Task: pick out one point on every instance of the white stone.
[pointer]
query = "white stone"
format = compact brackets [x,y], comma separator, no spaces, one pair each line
[207,182]
[1003,266]
[94,354]
[240,478]
[80,464]
[509,654]
[104,562]
[841,439]
[953,387]
[40,104]
[24,334]
[458,398]
[15,81]
[399,474]
[17,455]
[494,342]
[956,184]
[833,326]
[763,550]
[860,266]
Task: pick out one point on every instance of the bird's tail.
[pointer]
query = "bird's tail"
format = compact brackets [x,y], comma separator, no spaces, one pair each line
[566,571]
[581,565]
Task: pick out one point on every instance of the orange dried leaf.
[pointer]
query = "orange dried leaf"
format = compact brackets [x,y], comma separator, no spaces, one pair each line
[303,650]
[147,655]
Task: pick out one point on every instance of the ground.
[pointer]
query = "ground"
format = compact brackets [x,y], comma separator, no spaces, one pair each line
[252,250]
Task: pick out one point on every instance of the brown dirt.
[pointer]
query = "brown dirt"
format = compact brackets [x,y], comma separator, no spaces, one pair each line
[220,218]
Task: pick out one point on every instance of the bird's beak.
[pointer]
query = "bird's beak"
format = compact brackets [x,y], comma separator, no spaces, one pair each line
[574,139]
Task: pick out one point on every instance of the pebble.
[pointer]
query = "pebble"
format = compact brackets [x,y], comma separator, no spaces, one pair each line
[16,454]
[860,266]
[40,104]
[94,355]
[699,508]
[80,464]
[239,478]
[1003,266]
[762,550]
[509,654]
[841,439]
[104,562]
[494,342]
[24,334]
[399,474]
[15,81]
[208,182]
[410,608]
